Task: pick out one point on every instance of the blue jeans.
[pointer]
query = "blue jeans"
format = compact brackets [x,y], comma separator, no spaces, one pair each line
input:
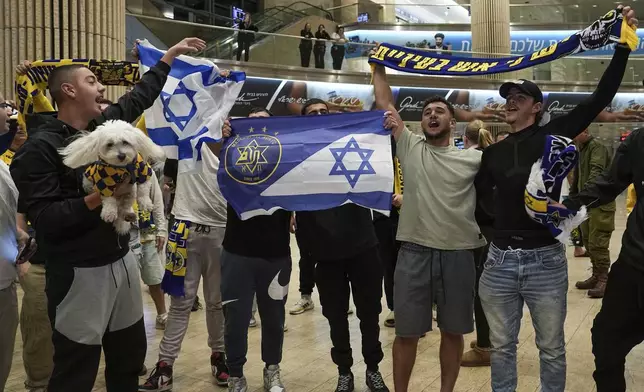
[538,277]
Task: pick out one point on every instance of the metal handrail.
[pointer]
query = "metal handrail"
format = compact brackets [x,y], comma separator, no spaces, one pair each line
[234,30]
[271,15]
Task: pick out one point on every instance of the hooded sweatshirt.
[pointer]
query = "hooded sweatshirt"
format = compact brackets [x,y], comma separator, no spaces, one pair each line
[52,195]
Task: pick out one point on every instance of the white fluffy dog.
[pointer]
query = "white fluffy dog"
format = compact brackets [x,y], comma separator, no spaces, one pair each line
[115,152]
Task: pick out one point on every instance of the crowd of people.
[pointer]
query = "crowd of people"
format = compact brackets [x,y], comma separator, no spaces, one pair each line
[458,242]
[311,43]
[316,43]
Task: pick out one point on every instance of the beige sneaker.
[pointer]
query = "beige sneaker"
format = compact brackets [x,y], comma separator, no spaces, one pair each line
[162,320]
[303,305]
[390,321]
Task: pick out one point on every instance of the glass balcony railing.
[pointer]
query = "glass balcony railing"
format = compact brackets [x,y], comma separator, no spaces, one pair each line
[283,49]
[439,12]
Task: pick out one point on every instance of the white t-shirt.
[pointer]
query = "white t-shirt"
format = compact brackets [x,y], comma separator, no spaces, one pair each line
[197,197]
[440,198]
[336,37]
[8,243]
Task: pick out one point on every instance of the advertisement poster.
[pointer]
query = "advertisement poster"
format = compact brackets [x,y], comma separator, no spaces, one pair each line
[286,98]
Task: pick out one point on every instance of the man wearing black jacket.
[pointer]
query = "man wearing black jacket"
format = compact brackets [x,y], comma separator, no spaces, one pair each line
[619,326]
[93,291]
[523,250]
[343,243]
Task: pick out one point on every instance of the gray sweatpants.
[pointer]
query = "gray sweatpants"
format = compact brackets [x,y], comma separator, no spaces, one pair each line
[8,328]
[204,253]
[242,278]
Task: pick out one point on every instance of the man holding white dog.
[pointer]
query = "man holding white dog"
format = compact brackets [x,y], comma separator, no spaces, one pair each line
[93,290]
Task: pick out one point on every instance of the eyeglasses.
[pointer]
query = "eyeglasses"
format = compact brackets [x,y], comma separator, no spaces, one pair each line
[5,105]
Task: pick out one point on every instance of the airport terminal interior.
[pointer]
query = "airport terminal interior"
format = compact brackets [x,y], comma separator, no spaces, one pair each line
[283,71]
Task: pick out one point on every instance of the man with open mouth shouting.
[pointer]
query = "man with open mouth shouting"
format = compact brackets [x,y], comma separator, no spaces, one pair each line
[526,264]
[438,232]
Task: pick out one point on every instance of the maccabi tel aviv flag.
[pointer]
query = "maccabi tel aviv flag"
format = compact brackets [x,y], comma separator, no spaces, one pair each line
[307,163]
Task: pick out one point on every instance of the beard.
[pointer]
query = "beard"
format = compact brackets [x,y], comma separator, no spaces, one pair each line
[437,136]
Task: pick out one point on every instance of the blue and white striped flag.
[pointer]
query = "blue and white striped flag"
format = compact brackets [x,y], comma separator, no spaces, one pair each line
[192,107]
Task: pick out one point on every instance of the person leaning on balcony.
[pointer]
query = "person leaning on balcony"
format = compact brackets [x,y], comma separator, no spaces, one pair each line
[245,37]
[320,46]
[337,50]
[306,45]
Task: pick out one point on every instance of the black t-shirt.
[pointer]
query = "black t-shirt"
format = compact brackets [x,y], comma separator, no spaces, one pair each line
[505,166]
[337,233]
[265,236]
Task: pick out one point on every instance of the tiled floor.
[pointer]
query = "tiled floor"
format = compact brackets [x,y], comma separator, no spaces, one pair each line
[307,364]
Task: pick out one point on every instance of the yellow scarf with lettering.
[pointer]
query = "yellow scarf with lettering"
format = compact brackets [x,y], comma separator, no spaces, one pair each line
[610,28]
[30,88]
[176,259]
[398,177]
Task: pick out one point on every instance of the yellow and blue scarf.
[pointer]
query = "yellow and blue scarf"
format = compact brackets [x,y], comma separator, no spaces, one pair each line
[544,187]
[106,177]
[398,177]
[610,28]
[30,88]
[176,259]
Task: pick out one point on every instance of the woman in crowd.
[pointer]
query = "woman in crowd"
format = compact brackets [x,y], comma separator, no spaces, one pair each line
[476,136]
[337,50]
[306,45]
[245,37]
[320,46]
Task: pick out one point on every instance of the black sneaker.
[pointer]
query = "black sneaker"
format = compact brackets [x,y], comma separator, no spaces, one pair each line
[160,379]
[196,306]
[219,368]
[345,383]
[375,383]
[144,371]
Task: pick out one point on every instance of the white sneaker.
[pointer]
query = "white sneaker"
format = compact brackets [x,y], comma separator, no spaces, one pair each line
[253,322]
[285,327]
[390,320]
[301,306]
[162,320]
[272,379]
[237,384]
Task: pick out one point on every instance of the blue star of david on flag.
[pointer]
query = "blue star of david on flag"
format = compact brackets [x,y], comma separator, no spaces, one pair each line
[340,169]
[170,116]
[192,106]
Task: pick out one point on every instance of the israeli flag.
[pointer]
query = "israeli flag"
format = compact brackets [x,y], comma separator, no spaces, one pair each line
[307,163]
[192,107]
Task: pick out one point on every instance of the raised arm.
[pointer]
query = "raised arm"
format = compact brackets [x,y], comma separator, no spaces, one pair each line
[606,187]
[385,98]
[581,116]
[132,105]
